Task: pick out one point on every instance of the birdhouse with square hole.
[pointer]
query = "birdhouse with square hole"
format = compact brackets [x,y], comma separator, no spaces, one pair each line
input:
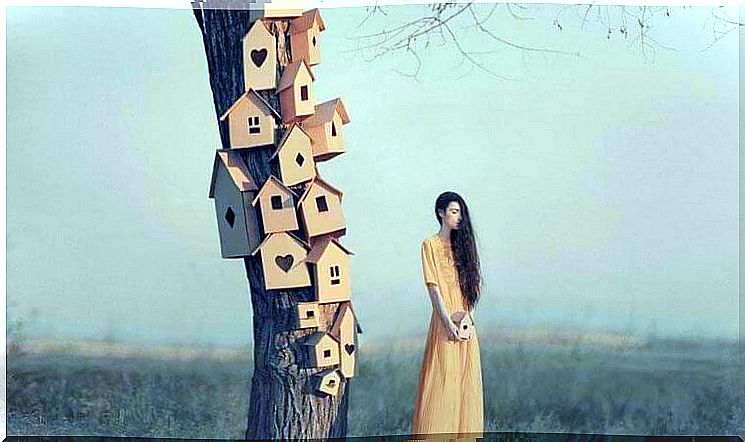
[276,203]
[329,262]
[296,92]
[259,58]
[295,157]
[282,258]
[320,209]
[325,129]
[345,331]
[232,187]
[305,34]
[252,122]
[308,315]
[328,381]
[322,350]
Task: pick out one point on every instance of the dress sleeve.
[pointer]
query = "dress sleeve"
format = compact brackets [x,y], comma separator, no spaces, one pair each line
[428,264]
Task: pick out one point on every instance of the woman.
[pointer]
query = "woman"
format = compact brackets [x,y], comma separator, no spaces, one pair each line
[450,395]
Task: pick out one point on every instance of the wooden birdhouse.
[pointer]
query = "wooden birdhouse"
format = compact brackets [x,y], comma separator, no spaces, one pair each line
[276,203]
[232,187]
[296,92]
[464,324]
[345,330]
[252,122]
[325,129]
[320,208]
[304,37]
[281,9]
[328,381]
[330,264]
[295,157]
[282,256]
[322,350]
[308,315]
[259,58]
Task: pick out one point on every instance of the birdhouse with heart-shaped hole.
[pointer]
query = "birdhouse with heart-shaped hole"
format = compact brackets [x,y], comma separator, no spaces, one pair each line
[322,350]
[308,315]
[325,129]
[305,34]
[295,157]
[328,381]
[276,203]
[329,262]
[345,330]
[252,122]
[233,188]
[320,209]
[282,258]
[259,58]
[296,92]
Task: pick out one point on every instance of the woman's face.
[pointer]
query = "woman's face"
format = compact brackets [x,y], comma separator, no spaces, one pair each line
[452,217]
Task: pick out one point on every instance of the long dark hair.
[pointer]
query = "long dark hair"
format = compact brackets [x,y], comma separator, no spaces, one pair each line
[463,243]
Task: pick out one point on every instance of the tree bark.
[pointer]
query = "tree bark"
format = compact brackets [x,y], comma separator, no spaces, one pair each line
[283,401]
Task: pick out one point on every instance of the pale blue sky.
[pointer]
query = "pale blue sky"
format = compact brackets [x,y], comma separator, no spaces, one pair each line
[603,187]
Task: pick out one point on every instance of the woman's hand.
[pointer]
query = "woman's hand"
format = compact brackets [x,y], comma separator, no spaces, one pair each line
[452,330]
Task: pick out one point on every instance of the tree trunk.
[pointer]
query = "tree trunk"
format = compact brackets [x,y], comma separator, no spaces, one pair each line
[283,402]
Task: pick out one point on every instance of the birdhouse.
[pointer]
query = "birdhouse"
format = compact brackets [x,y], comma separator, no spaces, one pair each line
[322,350]
[308,315]
[282,256]
[281,9]
[330,264]
[277,206]
[295,157]
[232,187]
[325,129]
[296,92]
[304,37]
[259,58]
[328,381]
[464,324]
[320,208]
[345,330]
[251,121]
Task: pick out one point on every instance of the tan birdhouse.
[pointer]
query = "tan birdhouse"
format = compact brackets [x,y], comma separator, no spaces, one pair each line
[295,157]
[259,58]
[325,129]
[281,9]
[276,203]
[322,350]
[328,381]
[296,92]
[330,265]
[252,122]
[304,37]
[464,323]
[320,209]
[232,187]
[308,315]
[345,330]
[282,256]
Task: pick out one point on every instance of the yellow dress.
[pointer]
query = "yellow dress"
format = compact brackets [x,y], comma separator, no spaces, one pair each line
[450,394]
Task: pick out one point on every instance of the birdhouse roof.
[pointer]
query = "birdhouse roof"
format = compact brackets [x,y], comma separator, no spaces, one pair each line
[237,170]
[319,248]
[293,237]
[324,112]
[306,21]
[257,23]
[317,337]
[344,309]
[256,99]
[322,183]
[290,73]
[266,186]
[287,134]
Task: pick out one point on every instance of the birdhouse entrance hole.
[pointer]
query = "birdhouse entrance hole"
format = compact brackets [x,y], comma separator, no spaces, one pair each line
[230,217]
[309,314]
[333,129]
[334,270]
[327,353]
[284,262]
[331,382]
[321,204]
[314,40]
[304,93]
[258,56]
[253,125]
[276,202]
[299,159]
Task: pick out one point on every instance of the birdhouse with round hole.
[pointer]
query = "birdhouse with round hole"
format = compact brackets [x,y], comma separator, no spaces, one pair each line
[233,188]
[259,58]
[328,381]
[304,37]
[252,122]
[322,350]
[276,203]
[282,258]
[308,315]
[325,129]
[329,262]
[296,92]
[464,323]
[320,209]
[345,330]
[295,157]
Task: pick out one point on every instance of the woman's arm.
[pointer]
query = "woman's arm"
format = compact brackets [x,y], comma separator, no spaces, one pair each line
[439,306]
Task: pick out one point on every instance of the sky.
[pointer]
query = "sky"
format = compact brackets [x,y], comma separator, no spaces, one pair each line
[602,185]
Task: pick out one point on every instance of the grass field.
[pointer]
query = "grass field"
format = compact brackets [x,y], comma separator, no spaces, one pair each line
[660,387]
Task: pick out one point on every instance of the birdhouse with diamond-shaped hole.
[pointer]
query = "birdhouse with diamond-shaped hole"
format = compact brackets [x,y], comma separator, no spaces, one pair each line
[325,129]
[295,157]
[282,258]
[328,381]
[259,58]
[252,122]
[276,203]
[320,209]
[233,188]
[345,330]
[308,315]
[305,34]
[296,92]
[322,350]
[329,262]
